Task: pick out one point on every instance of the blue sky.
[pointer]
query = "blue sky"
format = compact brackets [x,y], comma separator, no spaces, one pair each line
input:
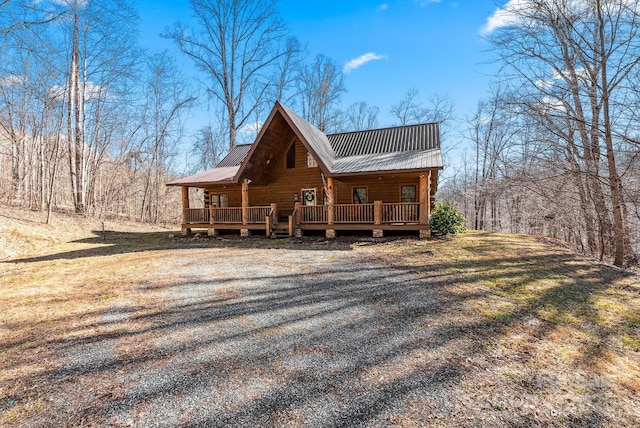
[432,45]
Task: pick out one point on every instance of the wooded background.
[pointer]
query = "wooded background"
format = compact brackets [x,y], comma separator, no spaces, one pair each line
[91,123]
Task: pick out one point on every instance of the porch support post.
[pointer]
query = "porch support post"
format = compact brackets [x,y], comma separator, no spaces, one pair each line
[245,201]
[245,207]
[429,198]
[424,198]
[425,202]
[211,231]
[377,212]
[331,203]
[185,207]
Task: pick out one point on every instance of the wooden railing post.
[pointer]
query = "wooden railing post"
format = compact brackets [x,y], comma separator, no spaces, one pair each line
[377,212]
[274,209]
[298,213]
[211,215]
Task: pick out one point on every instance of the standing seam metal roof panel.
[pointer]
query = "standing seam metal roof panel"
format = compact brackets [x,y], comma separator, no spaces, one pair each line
[235,156]
[387,140]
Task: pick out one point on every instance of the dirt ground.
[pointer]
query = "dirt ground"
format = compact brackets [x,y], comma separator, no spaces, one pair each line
[127,328]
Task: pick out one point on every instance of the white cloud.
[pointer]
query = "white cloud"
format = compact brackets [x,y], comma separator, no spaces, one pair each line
[69,3]
[360,61]
[383,6]
[551,105]
[92,92]
[251,128]
[424,3]
[515,11]
[12,79]
[509,14]
[543,84]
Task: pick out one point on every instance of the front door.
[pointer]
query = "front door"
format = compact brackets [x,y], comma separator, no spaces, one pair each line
[308,196]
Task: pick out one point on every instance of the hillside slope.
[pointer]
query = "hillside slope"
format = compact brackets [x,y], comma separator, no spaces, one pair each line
[24,231]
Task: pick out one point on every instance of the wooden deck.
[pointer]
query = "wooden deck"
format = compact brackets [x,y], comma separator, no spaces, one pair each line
[377,216]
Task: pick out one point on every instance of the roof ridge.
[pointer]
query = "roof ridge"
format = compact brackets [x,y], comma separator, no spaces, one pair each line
[386,128]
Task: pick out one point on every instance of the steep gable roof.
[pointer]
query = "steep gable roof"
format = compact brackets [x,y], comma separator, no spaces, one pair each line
[400,148]
[316,140]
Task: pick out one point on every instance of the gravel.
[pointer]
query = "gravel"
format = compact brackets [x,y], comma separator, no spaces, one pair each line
[301,339]
[281,337]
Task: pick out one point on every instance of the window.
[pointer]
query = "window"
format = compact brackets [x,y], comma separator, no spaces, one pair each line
[359,195]
[291,156]
[408,193]
[218,200]
[311,162]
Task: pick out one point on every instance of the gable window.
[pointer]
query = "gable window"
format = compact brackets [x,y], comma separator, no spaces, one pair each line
[359,195]
[290,160]
[408,193]
[311,162]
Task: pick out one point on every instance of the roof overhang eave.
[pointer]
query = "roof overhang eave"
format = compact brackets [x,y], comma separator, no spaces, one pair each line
[202,184]
[389,171]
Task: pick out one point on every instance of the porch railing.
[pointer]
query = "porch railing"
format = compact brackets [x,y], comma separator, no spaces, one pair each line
[406,212]
[312,213]
[377,213]
[226,215]
[353,213]
[197,215]
[256,214]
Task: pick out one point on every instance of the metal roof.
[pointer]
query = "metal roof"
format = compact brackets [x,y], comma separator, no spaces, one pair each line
[384,162]
[235,156]
[225,173]
[400,148]
[406,138]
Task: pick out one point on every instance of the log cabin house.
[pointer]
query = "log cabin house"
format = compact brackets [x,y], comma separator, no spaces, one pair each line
[294,178]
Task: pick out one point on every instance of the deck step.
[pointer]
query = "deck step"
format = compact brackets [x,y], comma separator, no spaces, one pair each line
[280,233]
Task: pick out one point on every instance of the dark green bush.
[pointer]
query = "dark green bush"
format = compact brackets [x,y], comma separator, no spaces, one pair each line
[446,219]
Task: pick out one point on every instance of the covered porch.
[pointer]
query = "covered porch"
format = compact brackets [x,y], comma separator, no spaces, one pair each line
[377,216]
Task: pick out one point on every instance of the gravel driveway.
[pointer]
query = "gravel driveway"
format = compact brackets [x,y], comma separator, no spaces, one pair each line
[485,330]
[313,338]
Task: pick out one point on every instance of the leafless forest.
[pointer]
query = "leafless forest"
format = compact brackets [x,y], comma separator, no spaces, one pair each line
[90,122]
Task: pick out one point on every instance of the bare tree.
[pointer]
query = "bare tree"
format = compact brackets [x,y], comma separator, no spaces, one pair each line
[239,45]
[98,61]
[167,97]
[573,65]
[208,148]
[491,131]
[410,109]
[321,84]
[360,116]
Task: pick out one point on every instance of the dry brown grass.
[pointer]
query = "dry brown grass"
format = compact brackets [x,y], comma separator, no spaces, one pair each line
[532,332]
